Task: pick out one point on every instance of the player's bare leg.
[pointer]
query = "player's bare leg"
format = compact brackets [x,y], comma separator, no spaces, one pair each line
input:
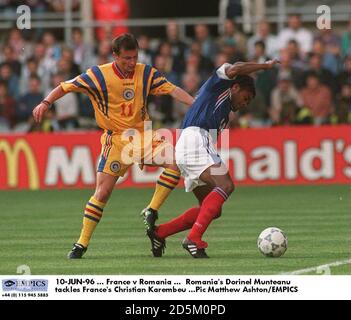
[93,213]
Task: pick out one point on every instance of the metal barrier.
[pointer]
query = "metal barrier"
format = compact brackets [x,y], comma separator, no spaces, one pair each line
[68,19]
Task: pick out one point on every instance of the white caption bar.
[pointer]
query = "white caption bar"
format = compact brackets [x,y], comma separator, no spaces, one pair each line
[175,287]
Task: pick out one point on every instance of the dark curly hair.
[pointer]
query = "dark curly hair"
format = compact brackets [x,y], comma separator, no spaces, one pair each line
[246,83]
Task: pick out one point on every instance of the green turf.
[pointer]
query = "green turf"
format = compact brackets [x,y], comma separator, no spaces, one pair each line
[38,228]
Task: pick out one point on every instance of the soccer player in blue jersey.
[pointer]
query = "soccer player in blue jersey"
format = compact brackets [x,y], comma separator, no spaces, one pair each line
[229,89]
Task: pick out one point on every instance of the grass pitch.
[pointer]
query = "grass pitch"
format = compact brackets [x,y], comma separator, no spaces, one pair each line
[38,228]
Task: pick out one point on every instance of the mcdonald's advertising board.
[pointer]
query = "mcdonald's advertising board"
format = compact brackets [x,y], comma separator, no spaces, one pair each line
[285,155]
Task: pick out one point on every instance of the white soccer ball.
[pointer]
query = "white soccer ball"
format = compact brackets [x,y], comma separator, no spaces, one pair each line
[272,242]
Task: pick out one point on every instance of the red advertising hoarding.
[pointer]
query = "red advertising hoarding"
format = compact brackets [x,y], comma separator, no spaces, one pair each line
[284,155]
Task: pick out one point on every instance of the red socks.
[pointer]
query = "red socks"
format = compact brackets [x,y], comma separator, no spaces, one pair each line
[181,223]
[209,209]
[197,218]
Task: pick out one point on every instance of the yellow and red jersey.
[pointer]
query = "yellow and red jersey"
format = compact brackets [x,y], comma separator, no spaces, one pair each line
[119,101]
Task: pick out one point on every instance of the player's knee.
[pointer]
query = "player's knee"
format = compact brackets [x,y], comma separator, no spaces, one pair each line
[172,166]
[102,195]
[228,187]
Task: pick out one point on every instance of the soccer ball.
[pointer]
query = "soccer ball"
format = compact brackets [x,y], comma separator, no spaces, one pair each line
[272,242]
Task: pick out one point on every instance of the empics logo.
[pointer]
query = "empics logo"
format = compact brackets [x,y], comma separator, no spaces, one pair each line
[24,285]
[9,283]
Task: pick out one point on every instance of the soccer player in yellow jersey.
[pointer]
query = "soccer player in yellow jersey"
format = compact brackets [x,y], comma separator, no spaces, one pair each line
[119,92]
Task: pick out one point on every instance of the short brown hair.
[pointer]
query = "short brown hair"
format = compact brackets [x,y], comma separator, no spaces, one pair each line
[125,41]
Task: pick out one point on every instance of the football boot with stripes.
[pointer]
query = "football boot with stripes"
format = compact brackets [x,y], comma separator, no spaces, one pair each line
[194,251]
[158,244]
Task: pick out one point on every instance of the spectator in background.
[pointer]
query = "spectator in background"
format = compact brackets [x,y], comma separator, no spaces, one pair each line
[29,69]
[170,64]
[162,109]
[330,40]
[104,53]
[8,56]
[267,81]
[46,65]
[192,65]
[82,52]
[145,54]
[346,41]
[230,49]
[285,102]
[317,98]
[27,103]
[22,49]
[220,59]
[110,11]
[233,35]
[330,61]
[7,108]
[191,84]
[297,60]
[263,33]
[345,75]
[11,80]
[67,54]
[64,67]
[178,47]
[297,32]
[196,62]
[325,76]
[260,55]
[208,45]
[66,108]
[285,68]
[52,49]
[343,104]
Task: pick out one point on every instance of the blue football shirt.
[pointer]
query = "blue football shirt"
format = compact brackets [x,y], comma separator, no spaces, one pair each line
[212,105]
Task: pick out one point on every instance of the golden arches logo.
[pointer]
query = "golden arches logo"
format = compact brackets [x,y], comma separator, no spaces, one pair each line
[12,159]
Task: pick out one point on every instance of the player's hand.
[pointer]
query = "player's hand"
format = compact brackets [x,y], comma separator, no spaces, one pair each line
[39,111]
[271,63]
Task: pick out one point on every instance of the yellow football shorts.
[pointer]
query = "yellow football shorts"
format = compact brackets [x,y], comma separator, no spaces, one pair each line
[120,151]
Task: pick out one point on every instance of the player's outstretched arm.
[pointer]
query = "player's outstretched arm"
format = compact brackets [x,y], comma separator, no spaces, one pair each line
[245,68]
[182,96]
[43,106]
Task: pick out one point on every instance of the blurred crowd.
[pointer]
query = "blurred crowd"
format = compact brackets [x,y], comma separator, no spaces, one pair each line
[312,85]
